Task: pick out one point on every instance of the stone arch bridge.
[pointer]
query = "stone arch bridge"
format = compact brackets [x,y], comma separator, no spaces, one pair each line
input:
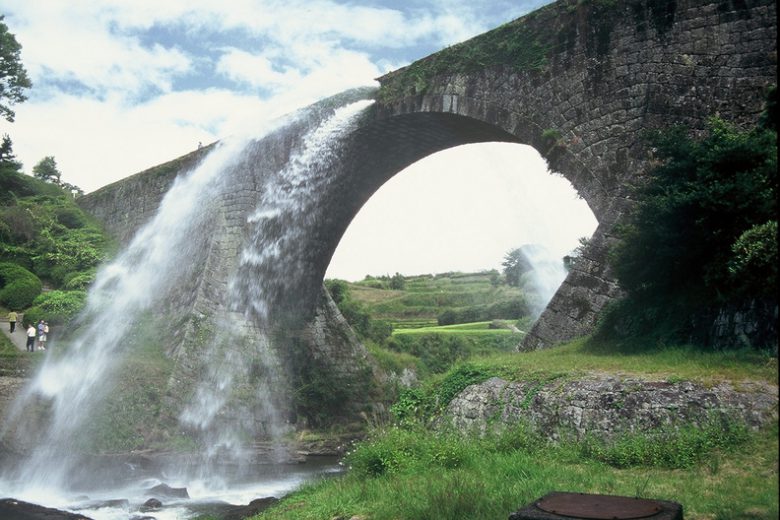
[578,81]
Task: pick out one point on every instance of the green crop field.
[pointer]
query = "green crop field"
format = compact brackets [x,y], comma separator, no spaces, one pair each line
[476,328]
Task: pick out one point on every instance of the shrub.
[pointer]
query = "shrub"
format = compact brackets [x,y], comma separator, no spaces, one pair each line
[424,403]
[511,309]
[396,450]
[57,307]
[18,224]
[79,281]
[380,330]
[70,217]
[436,351]
[755,259]
[704,203]
[18,286]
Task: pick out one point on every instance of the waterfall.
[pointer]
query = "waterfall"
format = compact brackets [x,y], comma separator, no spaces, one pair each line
[160,265]
[277,226]
[546,275]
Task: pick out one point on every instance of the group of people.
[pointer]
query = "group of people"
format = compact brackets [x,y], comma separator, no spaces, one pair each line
[36,334]
[40,333]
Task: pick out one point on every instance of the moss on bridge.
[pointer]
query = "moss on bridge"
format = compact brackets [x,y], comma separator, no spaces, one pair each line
[528,44]
[513,44]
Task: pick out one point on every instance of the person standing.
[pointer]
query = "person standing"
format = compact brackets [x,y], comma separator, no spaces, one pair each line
[31,333]
[12,320]
[42,337]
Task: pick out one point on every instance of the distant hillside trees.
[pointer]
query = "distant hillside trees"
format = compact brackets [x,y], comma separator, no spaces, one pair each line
[704,232]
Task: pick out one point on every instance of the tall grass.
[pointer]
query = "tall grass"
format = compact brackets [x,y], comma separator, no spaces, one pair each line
[401,474]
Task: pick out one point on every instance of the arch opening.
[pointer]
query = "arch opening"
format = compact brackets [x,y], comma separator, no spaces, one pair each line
[464,209]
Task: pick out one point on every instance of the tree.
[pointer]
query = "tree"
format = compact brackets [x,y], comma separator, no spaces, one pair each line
[704,195]
[703,234]
[13,76]
[516,264]
[46,170]
[570,259]
[398,282]
[7,157]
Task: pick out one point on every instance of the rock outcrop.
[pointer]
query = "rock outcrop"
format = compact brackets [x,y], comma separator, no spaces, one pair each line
[605,406]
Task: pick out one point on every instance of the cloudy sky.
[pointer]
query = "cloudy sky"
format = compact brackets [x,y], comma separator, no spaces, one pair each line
[122,85]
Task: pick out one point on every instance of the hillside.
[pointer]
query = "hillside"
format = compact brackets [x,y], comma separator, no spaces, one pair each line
[440,299]
[49,248]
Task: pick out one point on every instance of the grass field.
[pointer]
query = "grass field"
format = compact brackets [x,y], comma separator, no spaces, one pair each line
[476,328]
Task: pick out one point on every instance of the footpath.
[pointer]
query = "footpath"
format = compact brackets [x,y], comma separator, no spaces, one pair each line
[18,338]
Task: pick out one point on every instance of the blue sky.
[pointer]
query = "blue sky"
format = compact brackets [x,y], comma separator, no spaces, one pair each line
[122,85]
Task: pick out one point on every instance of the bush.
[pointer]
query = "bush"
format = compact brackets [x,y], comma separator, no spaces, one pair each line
[380,330]
[436,351]
[79,281]
[699,201]
[70,217]
[502,310]
[754,263]
[397,450]
[18,225]
[421,404]
[18,286]
[57,307]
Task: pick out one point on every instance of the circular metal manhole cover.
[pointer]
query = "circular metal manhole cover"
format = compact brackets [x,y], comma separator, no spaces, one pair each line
[598,507]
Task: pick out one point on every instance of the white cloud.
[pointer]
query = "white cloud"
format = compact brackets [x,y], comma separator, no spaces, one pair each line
[256,70]
[73,45]
[96,142]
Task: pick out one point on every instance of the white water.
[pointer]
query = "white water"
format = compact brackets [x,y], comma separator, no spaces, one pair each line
[546,276]
[161,257]
[284,197]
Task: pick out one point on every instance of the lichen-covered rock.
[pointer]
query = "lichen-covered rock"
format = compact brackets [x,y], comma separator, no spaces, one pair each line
[607,405]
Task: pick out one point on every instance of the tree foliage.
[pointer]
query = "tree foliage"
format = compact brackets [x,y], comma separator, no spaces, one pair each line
[700,200]
[7,157]
[46,170]
[13,76]
[515,265]
[703,233]
[18,286]
[45,232]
